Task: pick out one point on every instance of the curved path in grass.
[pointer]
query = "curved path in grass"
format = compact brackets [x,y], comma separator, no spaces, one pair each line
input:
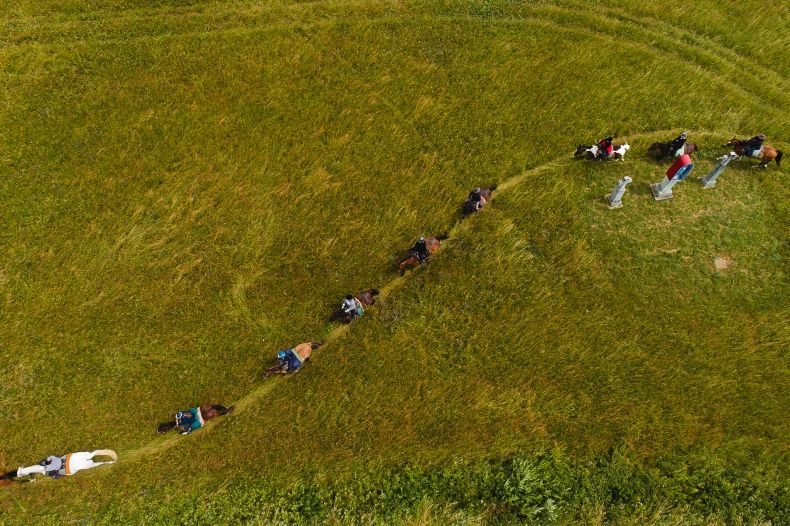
[242,404]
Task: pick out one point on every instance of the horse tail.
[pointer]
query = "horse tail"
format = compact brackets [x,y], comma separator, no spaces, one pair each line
[779,155]
[492,187]
[374,292]
[8,475]
[442,237]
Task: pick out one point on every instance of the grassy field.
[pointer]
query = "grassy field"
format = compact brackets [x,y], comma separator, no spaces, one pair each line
[188,187]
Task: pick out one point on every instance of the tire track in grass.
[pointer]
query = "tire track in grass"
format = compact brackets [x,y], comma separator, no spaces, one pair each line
[546,23]
[242,404]
[758,70]
[646,48]
[673,39]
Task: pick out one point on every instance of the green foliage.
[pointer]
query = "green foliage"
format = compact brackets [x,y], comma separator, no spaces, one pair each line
[546,488]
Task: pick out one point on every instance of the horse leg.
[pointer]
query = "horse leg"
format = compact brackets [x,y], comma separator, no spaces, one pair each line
[271,370]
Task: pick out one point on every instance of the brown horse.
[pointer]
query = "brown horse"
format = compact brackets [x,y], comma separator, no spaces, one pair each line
[366,298]
[286,364]
[207,412]
[470,208]
[663,149]
[769,152]
[411,260]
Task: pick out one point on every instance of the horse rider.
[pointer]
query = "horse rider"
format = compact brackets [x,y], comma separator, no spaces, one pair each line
[476,198]
[675,147]
[605,148]
[753,146]
[292,359]
[420,250]
[189,420]
[352,307]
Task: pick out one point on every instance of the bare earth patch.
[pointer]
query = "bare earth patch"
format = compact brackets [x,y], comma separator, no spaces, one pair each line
[722,263]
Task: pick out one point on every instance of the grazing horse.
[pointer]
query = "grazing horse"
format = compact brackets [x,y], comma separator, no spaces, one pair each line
[411,260]
[590,152]
[366,298]
[769,153]
[470,208]
[68,465]
[662,149]
[201,414]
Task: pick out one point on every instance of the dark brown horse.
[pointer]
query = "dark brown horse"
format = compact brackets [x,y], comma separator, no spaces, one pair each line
[411,260]
[662,149]
[769,152]
[207,412]
[366,298]
[470,208]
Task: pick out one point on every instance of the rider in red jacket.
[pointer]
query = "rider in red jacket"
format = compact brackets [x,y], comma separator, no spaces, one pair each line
[605,148]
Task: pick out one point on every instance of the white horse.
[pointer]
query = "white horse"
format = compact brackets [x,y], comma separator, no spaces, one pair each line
[591,152]
[66,465]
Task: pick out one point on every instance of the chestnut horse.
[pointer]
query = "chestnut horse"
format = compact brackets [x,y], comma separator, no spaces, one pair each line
[470,208]
[769,152]
[366,298]
[207,412]
[410,259]
[663,149]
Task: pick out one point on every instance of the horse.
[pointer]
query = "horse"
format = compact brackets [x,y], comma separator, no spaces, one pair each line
[590,152]
[663,149]
[71,464]
[207,412]
[410,259]
[470,208]
[291,360]
[366,298]
[769,153]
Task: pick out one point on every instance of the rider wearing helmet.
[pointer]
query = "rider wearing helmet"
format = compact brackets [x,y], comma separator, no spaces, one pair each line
[189,420]
[351,306]
[290,360]
[676,145]
[476,198]
[605,148]
[753,146]
[420,250]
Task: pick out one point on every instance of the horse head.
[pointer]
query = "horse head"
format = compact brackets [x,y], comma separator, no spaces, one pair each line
[733,142]
[167,426]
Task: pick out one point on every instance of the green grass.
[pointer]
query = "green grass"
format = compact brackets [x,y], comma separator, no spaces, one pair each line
[188,188]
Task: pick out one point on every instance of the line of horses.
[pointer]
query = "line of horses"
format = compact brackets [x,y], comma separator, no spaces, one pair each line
[195,418]
[663,150]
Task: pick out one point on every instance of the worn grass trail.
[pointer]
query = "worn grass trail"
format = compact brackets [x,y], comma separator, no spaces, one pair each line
[256,397]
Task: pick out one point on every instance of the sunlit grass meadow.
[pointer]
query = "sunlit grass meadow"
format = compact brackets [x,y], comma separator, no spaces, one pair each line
[188,187]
